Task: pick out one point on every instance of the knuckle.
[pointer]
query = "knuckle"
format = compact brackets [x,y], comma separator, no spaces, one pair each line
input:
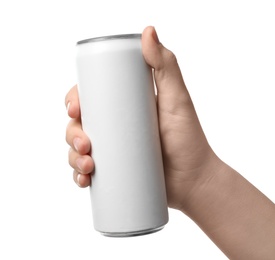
[171,57]
[69,131]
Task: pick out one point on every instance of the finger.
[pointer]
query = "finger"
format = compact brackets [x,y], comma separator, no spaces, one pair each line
[76,138]
[72,103]
[82,180]
[167,74]
[81,163]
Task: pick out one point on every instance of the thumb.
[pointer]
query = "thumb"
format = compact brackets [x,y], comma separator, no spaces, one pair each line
[72,103]
[169,81]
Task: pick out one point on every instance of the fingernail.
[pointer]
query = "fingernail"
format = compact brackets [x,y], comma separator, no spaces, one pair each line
[68,106]
[79,163]
[76,143]
[78,179]
[155,36]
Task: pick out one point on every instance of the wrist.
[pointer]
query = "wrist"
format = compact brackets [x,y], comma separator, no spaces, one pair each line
[206,178]
[234,214]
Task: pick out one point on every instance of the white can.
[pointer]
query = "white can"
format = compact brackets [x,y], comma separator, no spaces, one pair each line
[119,115]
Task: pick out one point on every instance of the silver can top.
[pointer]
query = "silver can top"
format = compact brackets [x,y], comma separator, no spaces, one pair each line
[110,37]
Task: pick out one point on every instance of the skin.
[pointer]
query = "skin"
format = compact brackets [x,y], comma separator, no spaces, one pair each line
[236,216]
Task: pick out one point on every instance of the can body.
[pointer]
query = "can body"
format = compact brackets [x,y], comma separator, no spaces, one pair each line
[119,115]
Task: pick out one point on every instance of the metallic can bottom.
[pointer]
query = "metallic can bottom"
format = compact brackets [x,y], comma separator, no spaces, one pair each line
[133,233]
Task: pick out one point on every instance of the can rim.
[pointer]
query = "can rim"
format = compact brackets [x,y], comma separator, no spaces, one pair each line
[110,37]
[132,234]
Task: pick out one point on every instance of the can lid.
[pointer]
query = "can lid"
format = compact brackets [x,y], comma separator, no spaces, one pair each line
[111,37]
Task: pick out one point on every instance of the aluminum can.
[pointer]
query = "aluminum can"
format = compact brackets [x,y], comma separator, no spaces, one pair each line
[119,115]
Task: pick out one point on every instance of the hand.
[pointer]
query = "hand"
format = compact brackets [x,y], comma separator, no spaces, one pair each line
[80,152]
[230,210]
[186,153]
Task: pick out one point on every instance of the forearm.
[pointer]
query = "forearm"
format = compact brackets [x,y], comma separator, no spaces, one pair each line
[238,218]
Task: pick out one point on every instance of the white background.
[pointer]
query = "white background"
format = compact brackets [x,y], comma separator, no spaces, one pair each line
[227,55]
